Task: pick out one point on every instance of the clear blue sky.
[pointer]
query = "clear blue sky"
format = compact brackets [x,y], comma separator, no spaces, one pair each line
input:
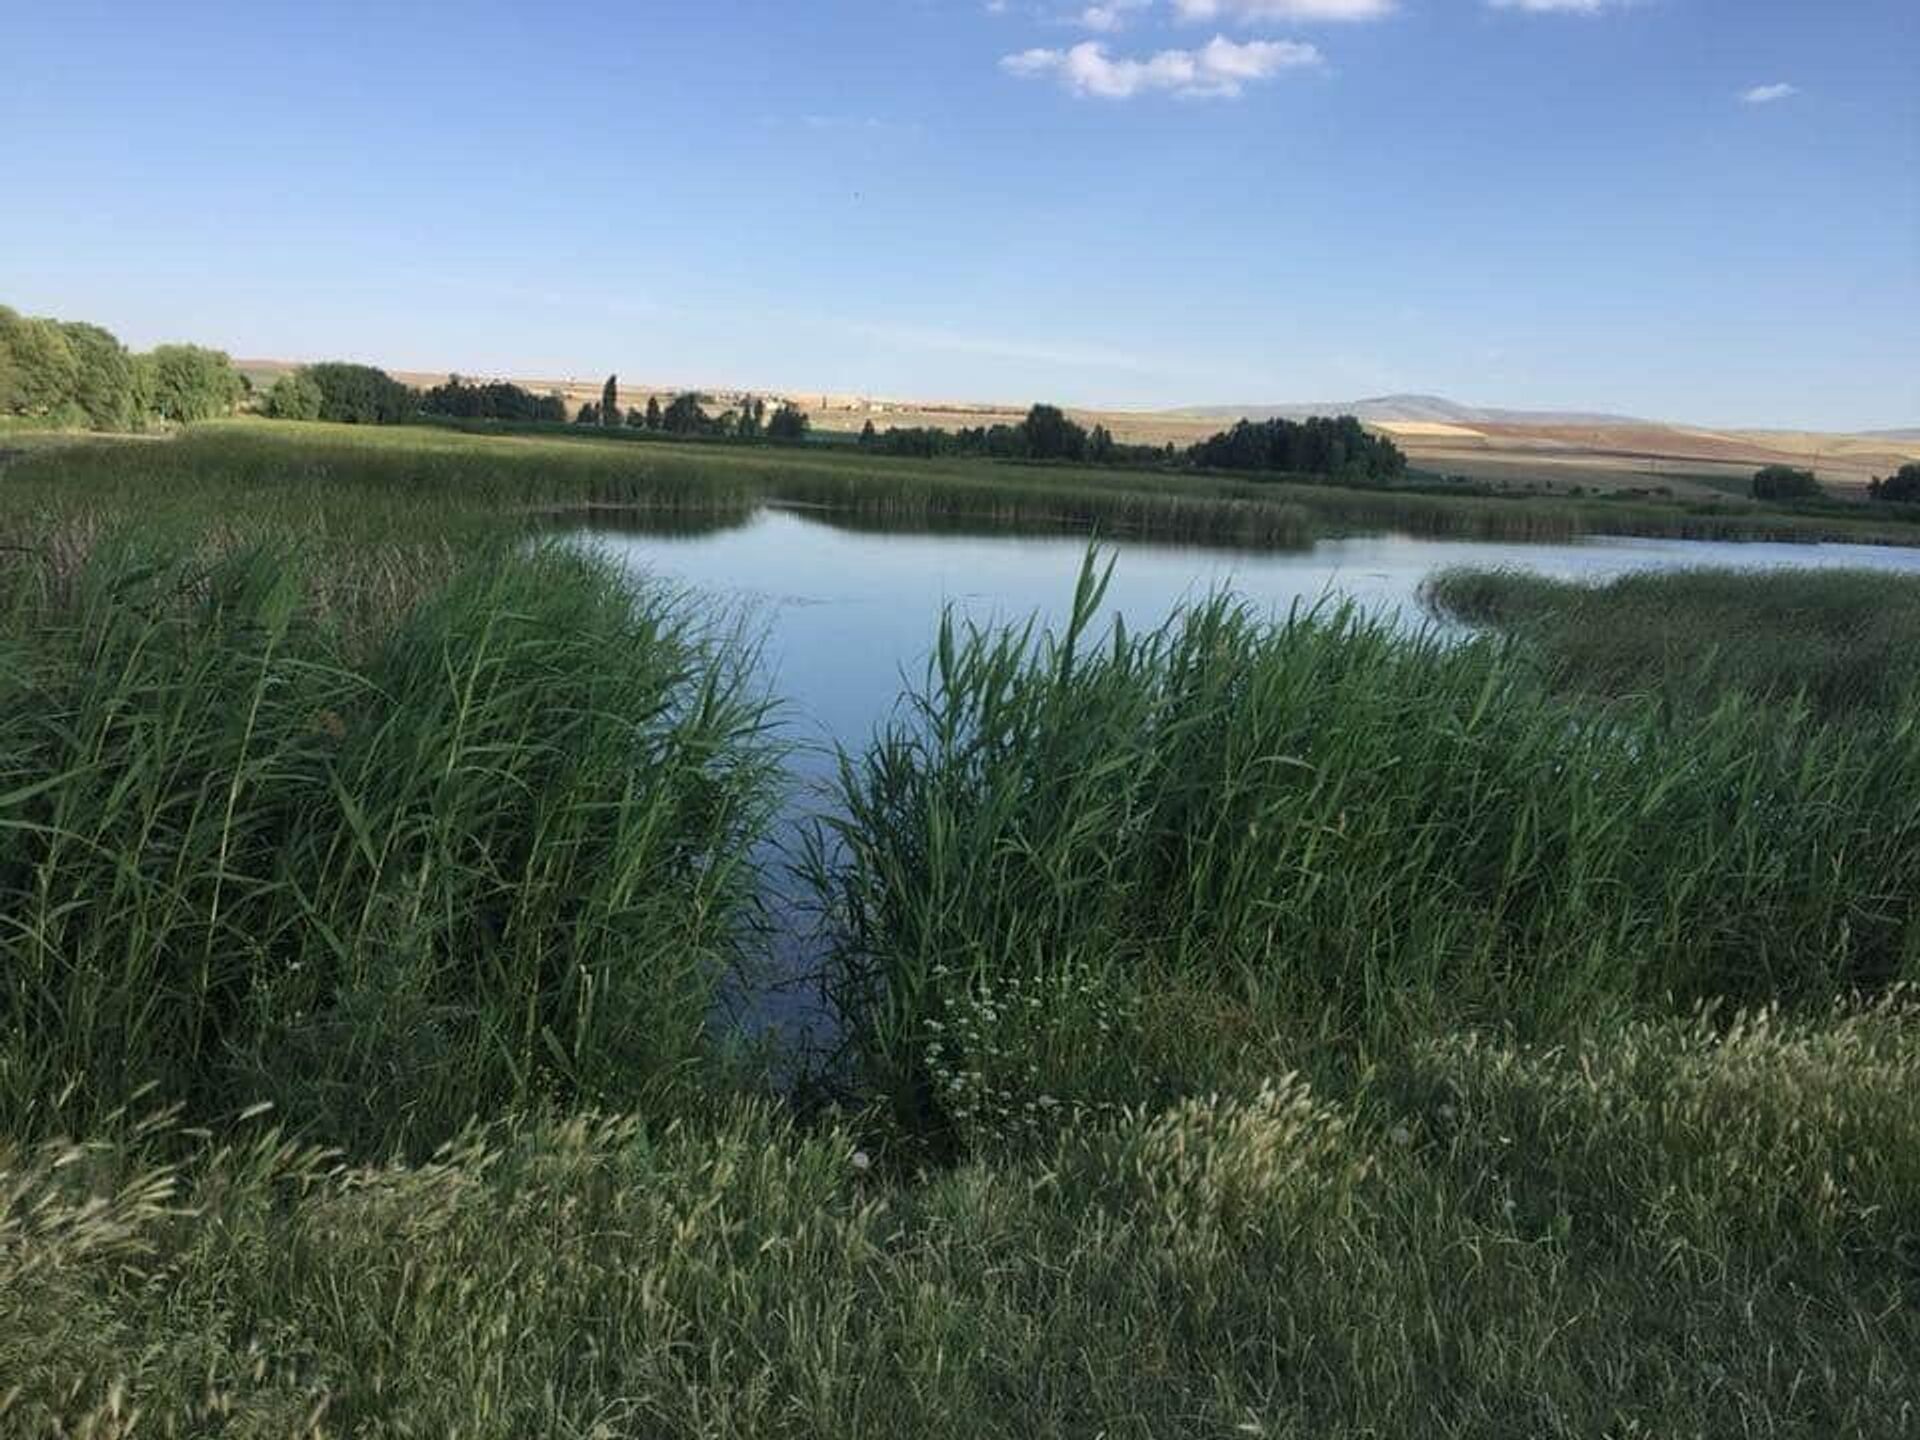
[1568,203]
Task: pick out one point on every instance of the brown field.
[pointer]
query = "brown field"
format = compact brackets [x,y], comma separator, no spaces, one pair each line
[1550,454]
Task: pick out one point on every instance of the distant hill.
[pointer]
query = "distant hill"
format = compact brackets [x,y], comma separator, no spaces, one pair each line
[1406,409]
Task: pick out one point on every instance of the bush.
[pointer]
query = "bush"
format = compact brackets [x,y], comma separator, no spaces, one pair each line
[1784,482]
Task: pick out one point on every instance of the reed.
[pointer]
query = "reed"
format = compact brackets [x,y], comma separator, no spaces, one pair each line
[485,849]
[1839,640]
[1083,869]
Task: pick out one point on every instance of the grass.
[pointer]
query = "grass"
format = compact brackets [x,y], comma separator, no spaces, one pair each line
[1840,640]
[1679,1228]
[374,480]
[487,852]
[1073,873]
[1253,1027]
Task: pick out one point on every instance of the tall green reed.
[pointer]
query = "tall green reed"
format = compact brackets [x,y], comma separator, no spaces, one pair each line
[490,852]
[1083,867]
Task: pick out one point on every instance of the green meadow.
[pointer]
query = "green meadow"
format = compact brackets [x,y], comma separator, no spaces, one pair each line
[1248,1026]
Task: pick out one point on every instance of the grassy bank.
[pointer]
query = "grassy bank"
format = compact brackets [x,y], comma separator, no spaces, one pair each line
[1670,1229]
[1253,1028]
[1843,641]
[382,478]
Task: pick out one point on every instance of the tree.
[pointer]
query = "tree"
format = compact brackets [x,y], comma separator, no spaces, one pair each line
[636,419]
[683,416]
[191,382]
[103,385]
[1100,446]
[610,401]
[295,396]
[753,411]
[653,412]
[589,414]
[1900,488]
[42,365]
[1050,435]
[362,394]
[9,371]
[789,425]
[1319,445]
[1784,482]
[867,436]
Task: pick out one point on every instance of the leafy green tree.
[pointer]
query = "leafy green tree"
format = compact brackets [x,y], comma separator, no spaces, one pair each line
[295,396]
[589,414]
[43,370]
[1339,446]
[103,385]
[1901,487]
[868,436]
[610,401]
[653,412]
[789,425]
[490,400]
[752,418]
[362,394]
[191,382]
[1784,482]
[1050,435]
[9,371]
[684,416]
[636,418]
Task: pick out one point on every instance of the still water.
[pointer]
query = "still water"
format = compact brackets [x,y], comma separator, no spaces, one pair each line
[847,616]
[846,619]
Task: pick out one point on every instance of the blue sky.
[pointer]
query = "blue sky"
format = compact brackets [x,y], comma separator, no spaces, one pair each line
[1694,209]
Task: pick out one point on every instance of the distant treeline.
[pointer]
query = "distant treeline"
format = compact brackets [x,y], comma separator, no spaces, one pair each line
[1315,446]
[67,373]
[1046,434]
[1902,487]
[1336,447]
[365,395]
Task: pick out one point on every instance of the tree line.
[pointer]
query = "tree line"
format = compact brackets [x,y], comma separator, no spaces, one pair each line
[68,373]
[1340,448]
[1786,483]
[1900,488]
[366,395]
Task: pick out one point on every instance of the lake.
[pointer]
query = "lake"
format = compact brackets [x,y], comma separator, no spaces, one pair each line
[848,616]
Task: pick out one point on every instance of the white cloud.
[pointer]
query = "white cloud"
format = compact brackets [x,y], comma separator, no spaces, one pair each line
[1032,62]
[1246,12]
[1110,16]
[1219,69]
[1767,94]
[1558,7]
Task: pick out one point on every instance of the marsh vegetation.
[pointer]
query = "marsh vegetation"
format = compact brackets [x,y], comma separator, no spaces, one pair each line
[1254,1024]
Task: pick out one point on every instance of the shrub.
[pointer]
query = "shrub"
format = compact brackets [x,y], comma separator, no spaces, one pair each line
[1784,482]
